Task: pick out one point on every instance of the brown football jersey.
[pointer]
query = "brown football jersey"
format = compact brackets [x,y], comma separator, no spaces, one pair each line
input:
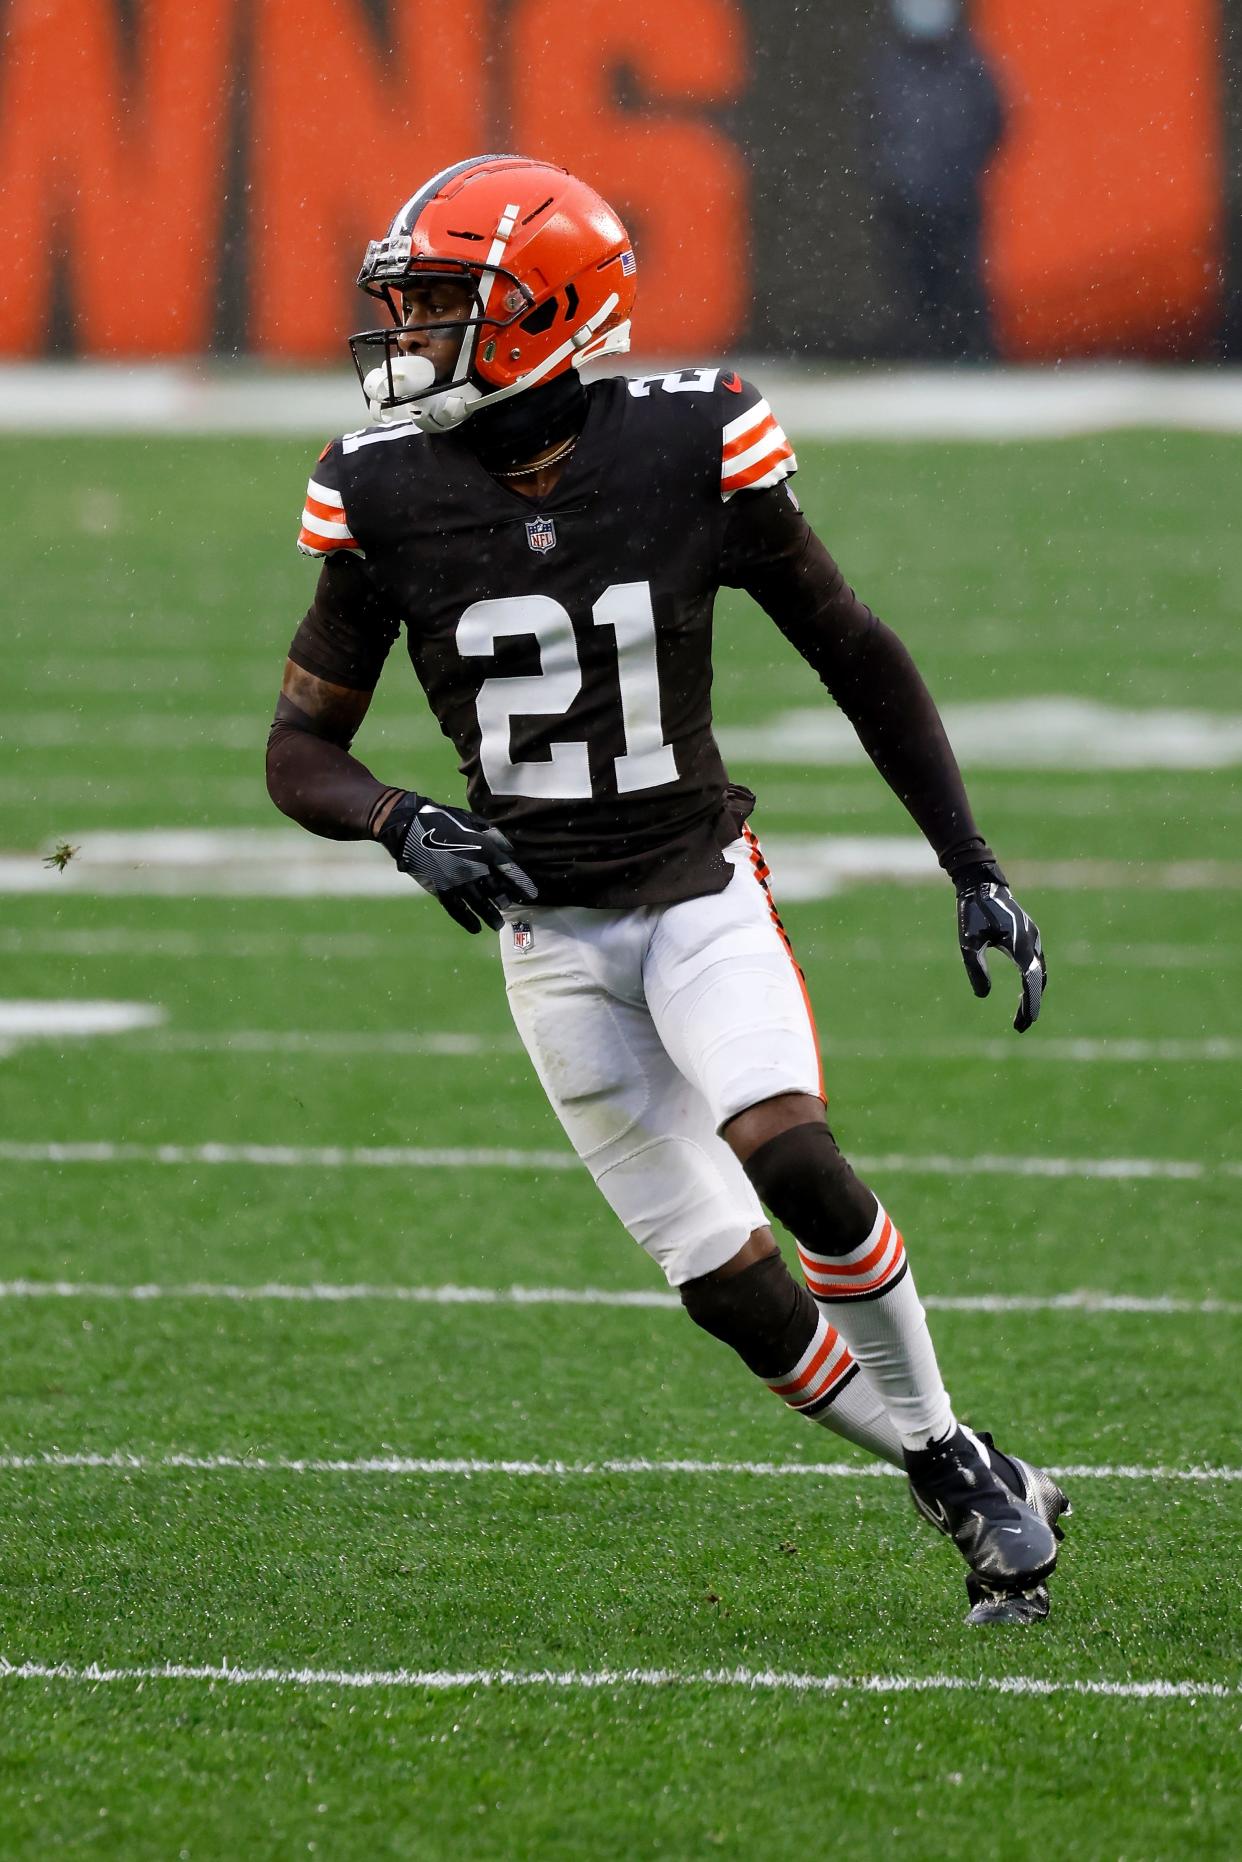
[565,648]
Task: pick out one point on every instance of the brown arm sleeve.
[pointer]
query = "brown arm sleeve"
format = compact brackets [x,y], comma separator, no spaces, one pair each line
[311,775]
[772,552]
[345,635]
[334,662]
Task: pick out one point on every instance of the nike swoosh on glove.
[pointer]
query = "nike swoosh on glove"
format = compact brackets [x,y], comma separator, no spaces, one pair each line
[990,918]
[459,858]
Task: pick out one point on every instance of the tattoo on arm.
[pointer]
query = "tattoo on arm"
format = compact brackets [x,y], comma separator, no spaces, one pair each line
[311,775]
[331,711]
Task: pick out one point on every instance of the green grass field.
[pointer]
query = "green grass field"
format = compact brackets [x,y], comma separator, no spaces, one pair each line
[151,588]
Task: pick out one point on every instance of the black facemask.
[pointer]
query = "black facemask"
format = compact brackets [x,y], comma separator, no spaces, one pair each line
[513,432]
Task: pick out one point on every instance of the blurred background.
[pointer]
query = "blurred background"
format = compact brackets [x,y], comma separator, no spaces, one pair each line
[894,179]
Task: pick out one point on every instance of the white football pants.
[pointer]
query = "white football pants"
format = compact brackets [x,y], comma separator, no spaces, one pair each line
[649,1029]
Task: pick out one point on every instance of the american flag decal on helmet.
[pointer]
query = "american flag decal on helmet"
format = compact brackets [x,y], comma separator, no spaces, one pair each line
[629,264]
[541,534]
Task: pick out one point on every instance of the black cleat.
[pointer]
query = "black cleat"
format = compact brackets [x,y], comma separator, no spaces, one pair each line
[1005,1606]
[1040,1492]
[1032,1485]
[1009,1546]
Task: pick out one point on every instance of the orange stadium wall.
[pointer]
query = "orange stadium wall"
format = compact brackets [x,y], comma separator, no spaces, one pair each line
[177,179]
[1105,204]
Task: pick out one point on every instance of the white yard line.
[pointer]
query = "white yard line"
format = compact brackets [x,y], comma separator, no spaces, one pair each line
[1057,731]
[395,1042]
[244,731]
[334,1293]
[291,1156]
[80,792]
[363,946]
[411,1157]
[54,1020]
[469,1466]
[1118,1050]
[286,863]
[124,941]
[582,1680]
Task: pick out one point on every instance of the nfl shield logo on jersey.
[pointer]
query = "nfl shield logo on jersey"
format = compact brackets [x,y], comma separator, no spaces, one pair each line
[541,533]
[523,936]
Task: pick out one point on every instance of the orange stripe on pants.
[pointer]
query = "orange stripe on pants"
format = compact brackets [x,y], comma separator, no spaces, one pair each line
[762,871]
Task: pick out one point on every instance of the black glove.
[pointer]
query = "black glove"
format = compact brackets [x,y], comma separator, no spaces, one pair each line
[458,857]
[989,915]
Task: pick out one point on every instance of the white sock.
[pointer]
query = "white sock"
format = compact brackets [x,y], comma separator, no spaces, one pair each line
[830,1388]
[858,1414]
[869,1296]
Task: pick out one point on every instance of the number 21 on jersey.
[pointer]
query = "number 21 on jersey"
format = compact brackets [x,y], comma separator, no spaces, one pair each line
[647,761]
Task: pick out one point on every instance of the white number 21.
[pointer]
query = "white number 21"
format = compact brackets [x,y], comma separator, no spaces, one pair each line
[625,607]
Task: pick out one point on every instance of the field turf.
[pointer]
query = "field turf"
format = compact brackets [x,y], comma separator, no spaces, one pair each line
[149,594]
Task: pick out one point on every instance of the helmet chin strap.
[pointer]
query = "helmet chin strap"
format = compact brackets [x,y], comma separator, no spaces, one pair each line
[446,408]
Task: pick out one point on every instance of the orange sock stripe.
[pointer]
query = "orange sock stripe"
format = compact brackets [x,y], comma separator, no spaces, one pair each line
[824,1264]
[829,1382]
[828,1367]
[826,1287]
[786,1386]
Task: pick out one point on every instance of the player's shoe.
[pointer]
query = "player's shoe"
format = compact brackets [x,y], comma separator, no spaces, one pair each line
[1009,1546]
[1039,1491]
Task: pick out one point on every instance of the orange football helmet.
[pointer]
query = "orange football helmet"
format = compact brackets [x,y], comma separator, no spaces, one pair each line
[550,268]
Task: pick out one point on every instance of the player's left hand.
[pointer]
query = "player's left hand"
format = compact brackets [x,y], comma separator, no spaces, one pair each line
[459,858]
[989,917]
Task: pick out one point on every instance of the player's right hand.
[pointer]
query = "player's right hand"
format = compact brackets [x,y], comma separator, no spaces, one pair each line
[458,857]
[989,917]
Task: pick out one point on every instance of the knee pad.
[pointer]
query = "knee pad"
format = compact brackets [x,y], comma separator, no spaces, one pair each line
[801,1176]
[763,1313]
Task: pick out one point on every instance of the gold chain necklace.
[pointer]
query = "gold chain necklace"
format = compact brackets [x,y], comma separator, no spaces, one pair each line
[562,452]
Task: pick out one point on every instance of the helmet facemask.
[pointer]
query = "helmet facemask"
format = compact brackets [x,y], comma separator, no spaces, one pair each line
[398,379]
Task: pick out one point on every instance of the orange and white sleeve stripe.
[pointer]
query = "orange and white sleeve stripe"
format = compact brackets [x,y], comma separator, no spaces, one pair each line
[872,1268]
[820,1374]
[324,526]
[756,453]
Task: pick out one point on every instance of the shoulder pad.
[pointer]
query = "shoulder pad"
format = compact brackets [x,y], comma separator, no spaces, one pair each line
[754,453]
[325,528]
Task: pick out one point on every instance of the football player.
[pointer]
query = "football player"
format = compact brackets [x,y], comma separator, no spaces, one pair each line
[553,552]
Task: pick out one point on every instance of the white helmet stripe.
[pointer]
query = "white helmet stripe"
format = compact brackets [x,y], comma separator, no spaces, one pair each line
[504,228]
[406,217]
